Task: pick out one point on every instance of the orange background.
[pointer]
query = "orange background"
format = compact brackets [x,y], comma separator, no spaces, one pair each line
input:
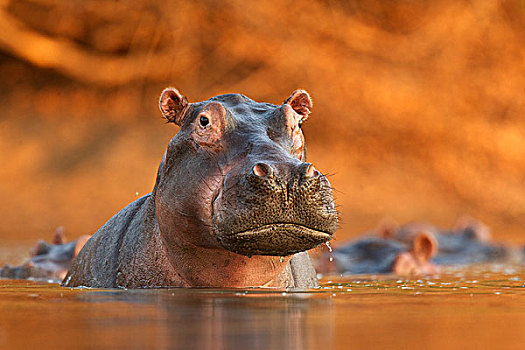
[418,105]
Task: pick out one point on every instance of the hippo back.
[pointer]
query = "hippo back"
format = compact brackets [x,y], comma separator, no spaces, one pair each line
[101,263]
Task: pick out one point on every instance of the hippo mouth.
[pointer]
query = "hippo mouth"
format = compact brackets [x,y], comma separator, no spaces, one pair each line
[278,239]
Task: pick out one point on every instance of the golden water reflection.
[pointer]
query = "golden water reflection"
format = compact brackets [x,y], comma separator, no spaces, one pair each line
[476,308]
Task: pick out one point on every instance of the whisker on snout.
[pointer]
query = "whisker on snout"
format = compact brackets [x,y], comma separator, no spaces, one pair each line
[329,175]
[337,191]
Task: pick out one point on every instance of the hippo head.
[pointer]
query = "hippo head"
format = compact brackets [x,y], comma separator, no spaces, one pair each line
[235,177]
[372,254]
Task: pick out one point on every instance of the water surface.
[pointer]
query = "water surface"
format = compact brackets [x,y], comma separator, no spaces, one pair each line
[481,307]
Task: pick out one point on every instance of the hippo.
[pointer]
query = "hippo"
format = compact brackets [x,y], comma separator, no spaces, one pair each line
[372,254]
[468,242]
[49,261]
[235,204]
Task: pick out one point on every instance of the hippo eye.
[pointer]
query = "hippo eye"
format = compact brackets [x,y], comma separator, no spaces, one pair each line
[204,121]
[299,124]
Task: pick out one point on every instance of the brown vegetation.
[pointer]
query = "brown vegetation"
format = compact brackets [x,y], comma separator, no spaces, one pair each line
[418,104]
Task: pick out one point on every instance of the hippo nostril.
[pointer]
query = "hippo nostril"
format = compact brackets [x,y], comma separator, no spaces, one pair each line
[262,170]
[311,171]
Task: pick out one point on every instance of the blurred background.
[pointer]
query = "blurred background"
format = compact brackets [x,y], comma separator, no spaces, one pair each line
[418,105]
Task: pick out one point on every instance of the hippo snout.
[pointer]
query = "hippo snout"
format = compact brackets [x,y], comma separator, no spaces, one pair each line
[275,209]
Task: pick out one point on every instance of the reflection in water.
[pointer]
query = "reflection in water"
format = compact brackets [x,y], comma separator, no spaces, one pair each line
[206,319]
[480,307]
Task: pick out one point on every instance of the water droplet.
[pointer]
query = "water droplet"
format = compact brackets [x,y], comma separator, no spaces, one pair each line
[331,259]
[329,247]
[136,193]
[281,259]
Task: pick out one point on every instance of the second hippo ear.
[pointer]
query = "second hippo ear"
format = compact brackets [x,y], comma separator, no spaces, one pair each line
[424,246]
[59,237]
[172,104]
[387,228]
[300,102]
[473,229]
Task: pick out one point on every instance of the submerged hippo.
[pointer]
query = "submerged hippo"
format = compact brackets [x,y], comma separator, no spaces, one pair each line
[468,242]
[49,261]
[416,248]
[373,254]
[234,204]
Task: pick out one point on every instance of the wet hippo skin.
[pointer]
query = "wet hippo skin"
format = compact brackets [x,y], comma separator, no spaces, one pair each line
[234,204]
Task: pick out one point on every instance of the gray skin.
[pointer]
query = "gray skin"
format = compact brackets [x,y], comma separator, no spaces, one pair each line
[463,247]
[467,243]
[48,261]
[234,204]
[368,255]
[371,255]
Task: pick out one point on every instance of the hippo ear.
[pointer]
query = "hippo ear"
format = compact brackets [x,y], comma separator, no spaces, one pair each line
[473,229]
[59,237]
[172,104]
[301,103]
[40,248]
[424,246]
[387,228]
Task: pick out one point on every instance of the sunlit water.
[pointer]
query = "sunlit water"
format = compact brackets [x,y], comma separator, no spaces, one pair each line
[475,308]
